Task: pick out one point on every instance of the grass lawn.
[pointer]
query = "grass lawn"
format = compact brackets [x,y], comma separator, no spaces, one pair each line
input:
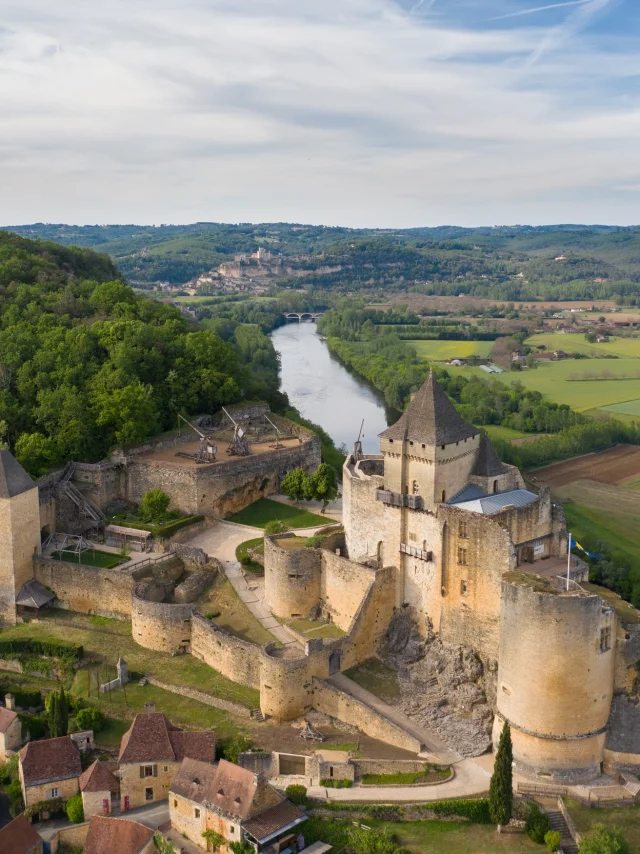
[106,560]
[106,648]
[427,775]
[495,431]
[316,628]
[264,510]
[242,554]
[446,350]
[555,381]
[625,347]
[626,818]
[376,677]
[235,617]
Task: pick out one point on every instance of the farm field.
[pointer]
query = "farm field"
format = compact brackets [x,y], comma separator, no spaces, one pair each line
[611,466]
[626,347]
[555,380]
[598,496]
[445,350]
[628,407]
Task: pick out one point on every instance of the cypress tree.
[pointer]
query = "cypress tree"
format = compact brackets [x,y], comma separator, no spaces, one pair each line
[63,712]
[54,717]
[501,787]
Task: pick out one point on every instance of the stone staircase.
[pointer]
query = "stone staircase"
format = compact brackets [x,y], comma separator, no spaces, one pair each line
[559,824]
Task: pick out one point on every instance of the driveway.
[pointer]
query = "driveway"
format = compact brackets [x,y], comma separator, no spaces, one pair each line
[151,816]
[222,540]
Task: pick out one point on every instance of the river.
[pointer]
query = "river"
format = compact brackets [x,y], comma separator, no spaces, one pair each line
[324,391]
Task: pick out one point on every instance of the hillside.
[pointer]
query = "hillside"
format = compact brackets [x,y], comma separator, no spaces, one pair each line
[502,262]
[87,364]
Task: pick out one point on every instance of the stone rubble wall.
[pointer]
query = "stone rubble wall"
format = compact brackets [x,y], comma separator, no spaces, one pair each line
[234,658]
[86,589]
[162,626]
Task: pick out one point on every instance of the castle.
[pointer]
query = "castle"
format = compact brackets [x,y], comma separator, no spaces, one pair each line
[437,531]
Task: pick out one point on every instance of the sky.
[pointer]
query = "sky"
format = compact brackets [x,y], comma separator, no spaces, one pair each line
[370,113]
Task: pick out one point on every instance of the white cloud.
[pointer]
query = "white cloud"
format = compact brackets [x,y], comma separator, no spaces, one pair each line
[342,111]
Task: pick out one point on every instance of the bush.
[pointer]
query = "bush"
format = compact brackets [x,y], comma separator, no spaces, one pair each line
[34,725]
[297,794]
[16,647]
[154,506]
[232,748]
[90,718]
[537,824]
[475,809]
[75,810]
[26,698]
[275,526]
[604,840]
[330,783]
[212,615]
[552,840]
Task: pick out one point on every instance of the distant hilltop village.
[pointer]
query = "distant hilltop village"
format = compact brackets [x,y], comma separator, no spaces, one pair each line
[449,568]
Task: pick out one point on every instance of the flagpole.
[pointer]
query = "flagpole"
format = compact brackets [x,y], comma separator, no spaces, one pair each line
[568,561]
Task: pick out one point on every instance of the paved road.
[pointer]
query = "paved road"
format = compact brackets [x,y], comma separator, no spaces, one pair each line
[152,816]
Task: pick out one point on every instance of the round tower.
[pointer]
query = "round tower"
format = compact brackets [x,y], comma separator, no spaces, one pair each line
[555,677]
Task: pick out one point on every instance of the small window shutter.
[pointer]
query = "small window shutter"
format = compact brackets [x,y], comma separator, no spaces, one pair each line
[155,770]
[141,771]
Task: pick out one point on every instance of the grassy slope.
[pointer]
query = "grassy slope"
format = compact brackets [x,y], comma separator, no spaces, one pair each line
[376,677]
[626,818]
[494,431]
[263,511]
[106,648]
[444,350]
[620,530]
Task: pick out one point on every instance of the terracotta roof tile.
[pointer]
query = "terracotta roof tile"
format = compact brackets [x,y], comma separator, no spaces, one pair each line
[431,418]
[194,780]
[195,745]
[7,717]
[111,835]
[232,790]
[152,738]
[274,819]
[49,760]
[18,837]
[98,778]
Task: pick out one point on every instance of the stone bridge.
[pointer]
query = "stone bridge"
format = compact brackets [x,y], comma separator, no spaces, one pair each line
[304,315]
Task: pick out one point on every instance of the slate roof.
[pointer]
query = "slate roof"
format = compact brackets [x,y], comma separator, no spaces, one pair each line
[19,837]
[431,419]
[152,738]
[49,760]
[487,464]
[272,821]
[13,478]
[111,835]
[497,502]
[194,780]
[98,778]
[34,595]
[7,717]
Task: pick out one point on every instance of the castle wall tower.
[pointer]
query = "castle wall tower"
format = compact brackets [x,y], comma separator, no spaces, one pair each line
[555,677]
[19,532]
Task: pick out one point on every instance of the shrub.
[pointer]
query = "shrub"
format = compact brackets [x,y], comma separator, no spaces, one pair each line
[275,526]
[604,840]
[15,647]
[162,844]
[26,698]
[537,824]
[501,786]
[330,783]
[90,718]
[154,506]
[34,725]
[297,794]
[243,847]
[75,810]
[232,748]
[552,840]
[212,615]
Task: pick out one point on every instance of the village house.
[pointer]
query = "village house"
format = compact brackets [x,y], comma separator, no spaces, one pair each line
[10,729]
[100,790]
[150,755]
[234,803]
[19,837]
[49,769]
[118,836]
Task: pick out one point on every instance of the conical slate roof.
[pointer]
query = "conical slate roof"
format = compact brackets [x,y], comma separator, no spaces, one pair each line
[431,419]
[488,464]
[13,478]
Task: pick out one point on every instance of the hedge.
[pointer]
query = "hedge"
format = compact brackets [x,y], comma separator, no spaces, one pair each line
[475,809]
[26,698]
[15,647]
[166,529]
[330,783]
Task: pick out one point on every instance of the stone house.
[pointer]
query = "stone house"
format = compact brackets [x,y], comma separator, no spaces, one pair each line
[235,803]
[10,729]
[49,769]
[111,835]
[19,837]
[100,790]
[150,755]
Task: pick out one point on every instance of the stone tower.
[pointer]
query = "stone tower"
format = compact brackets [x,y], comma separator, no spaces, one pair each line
[431,451]
[19,532]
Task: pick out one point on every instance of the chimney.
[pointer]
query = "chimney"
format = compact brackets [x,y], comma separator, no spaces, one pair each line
[149,707]
[10,702]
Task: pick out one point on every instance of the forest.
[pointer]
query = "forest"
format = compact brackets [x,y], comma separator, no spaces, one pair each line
[86,364]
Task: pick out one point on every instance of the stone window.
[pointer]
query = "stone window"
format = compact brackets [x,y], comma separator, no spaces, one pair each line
[196,812]
[175,804]
[495,485]
[412,537]
[55,792]
[444,496]
[148,771]
[165,769]
[416,488]
[605,639]
[463,588]
[462,529]
[443,447]
[148,794]
[232,829]
[462,557]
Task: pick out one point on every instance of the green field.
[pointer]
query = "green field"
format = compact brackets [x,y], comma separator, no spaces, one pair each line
[495,431]
[443,351]
[264,510]
[629,407]
[625,347]
[556,380]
